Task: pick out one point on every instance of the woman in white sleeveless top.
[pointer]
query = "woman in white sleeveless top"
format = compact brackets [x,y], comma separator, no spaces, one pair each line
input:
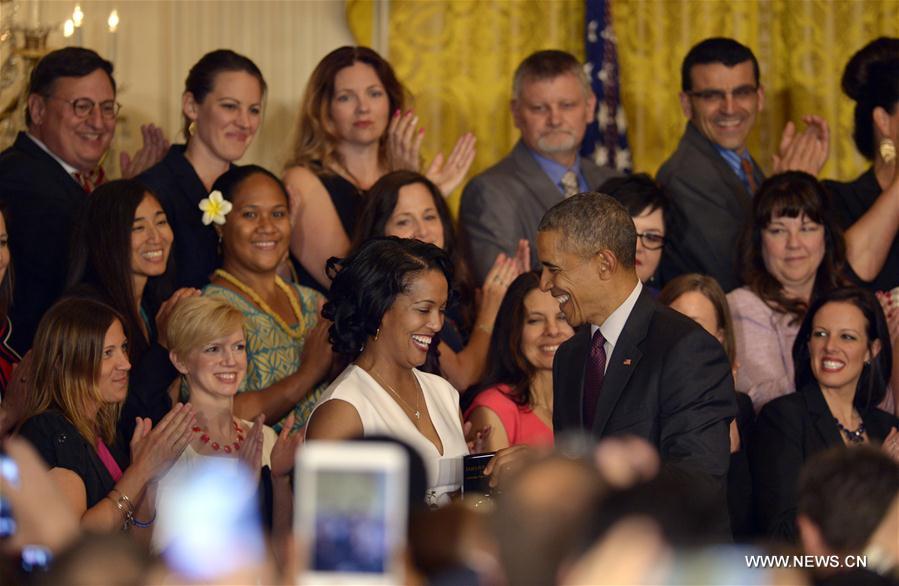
[387,302]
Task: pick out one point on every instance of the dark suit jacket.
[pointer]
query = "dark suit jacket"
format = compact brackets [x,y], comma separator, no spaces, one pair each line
[506,202]
[789,431]
[180,190]
[667,381]
[711,204]
[42,203]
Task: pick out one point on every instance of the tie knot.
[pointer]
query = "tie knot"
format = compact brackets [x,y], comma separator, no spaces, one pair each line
[569,183]
[598,342]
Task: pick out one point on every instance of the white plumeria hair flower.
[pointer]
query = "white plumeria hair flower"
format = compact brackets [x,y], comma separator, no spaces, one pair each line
[215,208]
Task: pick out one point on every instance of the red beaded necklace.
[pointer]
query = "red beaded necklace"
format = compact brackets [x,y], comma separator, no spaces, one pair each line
[227,447]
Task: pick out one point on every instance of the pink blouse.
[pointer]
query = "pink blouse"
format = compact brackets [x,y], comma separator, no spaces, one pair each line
[521,423]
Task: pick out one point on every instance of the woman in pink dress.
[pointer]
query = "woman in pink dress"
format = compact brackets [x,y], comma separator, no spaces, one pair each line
[516,399]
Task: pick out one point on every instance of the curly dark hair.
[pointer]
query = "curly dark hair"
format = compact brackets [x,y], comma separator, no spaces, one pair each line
[790,195]
[365,284]
[872,383]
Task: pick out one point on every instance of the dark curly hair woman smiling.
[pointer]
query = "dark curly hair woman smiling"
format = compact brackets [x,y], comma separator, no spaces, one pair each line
[387,303]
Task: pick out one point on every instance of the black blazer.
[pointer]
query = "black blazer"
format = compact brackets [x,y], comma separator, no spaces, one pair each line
[667,381]
[789,431]
[180,190]
[42,204]
[711,206]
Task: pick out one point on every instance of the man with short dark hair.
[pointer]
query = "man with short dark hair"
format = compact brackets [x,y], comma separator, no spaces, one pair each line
[46,174]
[552,104]
[635,367]
[711,177]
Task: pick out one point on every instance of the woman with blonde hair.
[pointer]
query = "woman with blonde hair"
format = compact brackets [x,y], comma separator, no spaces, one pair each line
[352,129]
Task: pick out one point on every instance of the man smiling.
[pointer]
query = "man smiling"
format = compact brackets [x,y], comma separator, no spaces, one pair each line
[552,103]
[635,367]
[711,177]
[45,174]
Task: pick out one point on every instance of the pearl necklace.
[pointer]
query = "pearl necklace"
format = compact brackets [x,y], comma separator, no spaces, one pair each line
[416,411]
[295,333]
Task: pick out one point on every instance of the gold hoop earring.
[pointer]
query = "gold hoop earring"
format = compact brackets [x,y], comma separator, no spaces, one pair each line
[887,150]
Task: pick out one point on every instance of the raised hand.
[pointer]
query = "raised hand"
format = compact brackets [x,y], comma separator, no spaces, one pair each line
[153,150]
[317,354]
[285,448]
[804,151]
[523,256]
[155,449]
[250,452]
[404,142]
[448,175]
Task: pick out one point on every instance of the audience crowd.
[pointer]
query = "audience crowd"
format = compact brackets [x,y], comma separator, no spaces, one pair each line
[668,378]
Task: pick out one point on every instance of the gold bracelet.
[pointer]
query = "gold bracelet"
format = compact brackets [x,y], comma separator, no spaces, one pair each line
[123,504]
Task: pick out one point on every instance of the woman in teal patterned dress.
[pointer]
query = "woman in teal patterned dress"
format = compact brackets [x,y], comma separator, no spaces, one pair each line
[288,352]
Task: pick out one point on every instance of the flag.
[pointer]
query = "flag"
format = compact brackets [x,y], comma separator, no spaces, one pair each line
[606,139]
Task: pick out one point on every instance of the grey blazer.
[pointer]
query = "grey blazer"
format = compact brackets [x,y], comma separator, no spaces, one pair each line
[505,203]
[711,205]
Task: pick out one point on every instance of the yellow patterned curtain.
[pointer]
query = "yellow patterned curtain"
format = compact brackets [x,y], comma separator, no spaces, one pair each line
[457,58]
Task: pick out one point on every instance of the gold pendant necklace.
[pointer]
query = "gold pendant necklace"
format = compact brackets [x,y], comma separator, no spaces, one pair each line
[416,411]
[279,282]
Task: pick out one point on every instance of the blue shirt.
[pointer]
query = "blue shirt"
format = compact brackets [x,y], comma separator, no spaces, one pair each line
[733,160]
[555,171]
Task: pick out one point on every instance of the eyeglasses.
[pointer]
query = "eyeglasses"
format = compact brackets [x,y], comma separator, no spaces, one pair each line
[651,240]
[741,94]
[83,107]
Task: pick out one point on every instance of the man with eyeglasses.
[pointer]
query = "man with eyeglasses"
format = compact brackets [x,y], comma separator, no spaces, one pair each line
[711,177]
[46,174]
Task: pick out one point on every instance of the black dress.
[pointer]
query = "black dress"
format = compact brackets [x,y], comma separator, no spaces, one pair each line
[61,446]
[179,189]
[347,200]
[851,201]
[788,432]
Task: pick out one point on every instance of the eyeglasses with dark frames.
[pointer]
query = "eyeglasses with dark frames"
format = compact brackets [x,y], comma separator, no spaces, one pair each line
[83,107]
[651,240]
[740,94]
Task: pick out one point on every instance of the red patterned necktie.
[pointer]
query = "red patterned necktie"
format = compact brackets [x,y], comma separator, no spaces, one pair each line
[746,165]
[593,377]
[90,180]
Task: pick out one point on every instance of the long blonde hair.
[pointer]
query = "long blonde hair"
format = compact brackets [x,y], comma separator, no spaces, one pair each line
[68,351]
[315,145]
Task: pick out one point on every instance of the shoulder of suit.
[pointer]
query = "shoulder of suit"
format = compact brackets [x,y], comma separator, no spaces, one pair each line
[743,299]
[785,406]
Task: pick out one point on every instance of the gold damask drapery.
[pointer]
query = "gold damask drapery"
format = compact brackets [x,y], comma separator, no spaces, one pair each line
[457,58]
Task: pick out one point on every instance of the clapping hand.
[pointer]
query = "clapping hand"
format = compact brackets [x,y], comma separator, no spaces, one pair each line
[153,150]
[155,449]
[476,439]
[285,448]
[804,151]
[250,452]
[404,141]
[447,175]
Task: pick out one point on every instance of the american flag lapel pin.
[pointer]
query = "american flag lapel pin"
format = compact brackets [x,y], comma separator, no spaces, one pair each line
[627,361]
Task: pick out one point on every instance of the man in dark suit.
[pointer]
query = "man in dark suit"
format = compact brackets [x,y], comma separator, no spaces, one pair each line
[552,104]
[633,367]
[46,173]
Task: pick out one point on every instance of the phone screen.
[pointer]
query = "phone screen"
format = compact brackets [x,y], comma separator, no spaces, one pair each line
[351,525]
[10,472]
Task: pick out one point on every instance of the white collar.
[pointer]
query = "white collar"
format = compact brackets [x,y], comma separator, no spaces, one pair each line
[69,169]
[613,326]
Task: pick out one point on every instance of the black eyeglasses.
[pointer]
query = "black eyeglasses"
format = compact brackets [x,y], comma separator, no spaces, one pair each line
[83,107]
[741,94]
[651,240]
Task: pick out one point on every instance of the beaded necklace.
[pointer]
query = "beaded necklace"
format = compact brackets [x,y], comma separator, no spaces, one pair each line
[855,436]
[294,333]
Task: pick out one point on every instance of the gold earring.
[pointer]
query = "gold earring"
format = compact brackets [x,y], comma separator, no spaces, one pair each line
[887,150]
[192,128]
